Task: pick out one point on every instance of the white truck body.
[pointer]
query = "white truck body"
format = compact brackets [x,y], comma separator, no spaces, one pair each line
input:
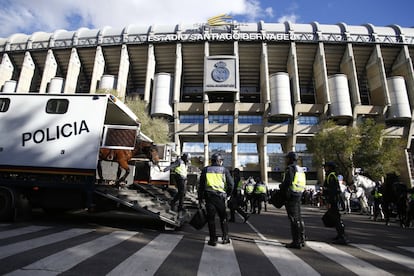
[35,133]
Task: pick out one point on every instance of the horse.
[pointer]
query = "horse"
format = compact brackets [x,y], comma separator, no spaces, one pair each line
[346,194]
[120,156]
[364,187]
[142,149]
[395,199]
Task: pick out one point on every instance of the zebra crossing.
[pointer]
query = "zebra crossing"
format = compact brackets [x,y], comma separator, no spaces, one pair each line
[150,254]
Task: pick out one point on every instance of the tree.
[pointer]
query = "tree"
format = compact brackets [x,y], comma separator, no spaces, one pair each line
[335,143]
[363,147]
[377,155]
[154,128]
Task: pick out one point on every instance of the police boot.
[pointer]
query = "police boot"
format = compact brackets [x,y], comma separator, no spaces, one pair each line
[225,231]
[294,228]
[302,236]
[340,238]
[213,237]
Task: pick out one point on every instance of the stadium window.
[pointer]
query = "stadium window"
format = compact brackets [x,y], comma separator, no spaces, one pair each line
[247,154]
[308,120]
[299,147]
[220,119]
[278,121]
[250,119]
[191,119]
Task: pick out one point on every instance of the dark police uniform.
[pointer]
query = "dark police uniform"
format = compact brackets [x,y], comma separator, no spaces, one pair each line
[293,185]
[215,184]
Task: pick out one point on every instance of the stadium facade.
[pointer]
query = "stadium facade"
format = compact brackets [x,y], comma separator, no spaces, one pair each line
[253,91]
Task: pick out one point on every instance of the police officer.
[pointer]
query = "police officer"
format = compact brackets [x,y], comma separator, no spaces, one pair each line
[331,193]
[248,193]
[237,198]
[293,185]
[216,183]
[259,195]
[179,172]
[377,194]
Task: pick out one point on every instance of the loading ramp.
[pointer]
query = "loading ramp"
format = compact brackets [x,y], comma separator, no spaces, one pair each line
[151,200]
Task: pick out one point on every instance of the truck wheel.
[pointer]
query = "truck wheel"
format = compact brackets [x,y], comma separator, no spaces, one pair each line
[6,204]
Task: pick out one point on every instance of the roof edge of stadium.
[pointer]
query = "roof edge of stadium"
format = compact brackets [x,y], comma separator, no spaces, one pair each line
[136,34]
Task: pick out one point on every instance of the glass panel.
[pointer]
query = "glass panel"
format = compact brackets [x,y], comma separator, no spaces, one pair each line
[225,149]
[220,119]
[250,119]
[57,106]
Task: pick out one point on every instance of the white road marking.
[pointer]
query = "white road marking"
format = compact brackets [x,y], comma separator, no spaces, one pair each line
[348,261]
[19,247]
[21,231]
[284,260]
[68,258]
[148,259]
[394,257]
[218,260]
[411,249]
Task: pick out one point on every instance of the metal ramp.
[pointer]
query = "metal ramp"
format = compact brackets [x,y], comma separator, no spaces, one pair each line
[150,200]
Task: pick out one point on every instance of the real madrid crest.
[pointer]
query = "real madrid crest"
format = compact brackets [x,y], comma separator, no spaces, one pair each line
[220,73]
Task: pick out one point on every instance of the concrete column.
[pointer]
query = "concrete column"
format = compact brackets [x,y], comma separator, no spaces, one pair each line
[206,54]
[403,66]
[377,79]
[49,71]
[235,146]
[264,75]
[150,73]
[73,73]
[236,53]
[348,67]
[123,73]
[98,69]
[6,70]
[293,71]
[263,158]
[178,74]
[206,154]
[321,77]
[26,74]
[206,142]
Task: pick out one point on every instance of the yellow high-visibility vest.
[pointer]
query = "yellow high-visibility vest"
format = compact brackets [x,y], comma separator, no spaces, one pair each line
[299,180]
[181,170]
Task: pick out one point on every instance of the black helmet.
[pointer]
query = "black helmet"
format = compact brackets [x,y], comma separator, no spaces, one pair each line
[186,156]
[216,157]
[292,155]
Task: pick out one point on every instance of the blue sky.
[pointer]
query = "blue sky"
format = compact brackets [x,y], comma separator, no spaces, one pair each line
[29,16]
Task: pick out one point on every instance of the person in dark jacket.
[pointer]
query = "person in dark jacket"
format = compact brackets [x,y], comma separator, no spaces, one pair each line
[293,185]
[331,192]
[179,173]
[236,199]
[216,183]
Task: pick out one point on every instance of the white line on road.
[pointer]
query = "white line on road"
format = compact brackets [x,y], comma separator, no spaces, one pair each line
[411,249]
[218,260]
[348,261]
[394,257]
[284,260]
[66,259]
[21,231]
[148,259]
[19,247]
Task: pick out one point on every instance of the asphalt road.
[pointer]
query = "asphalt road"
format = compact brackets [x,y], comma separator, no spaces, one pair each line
[120,243]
